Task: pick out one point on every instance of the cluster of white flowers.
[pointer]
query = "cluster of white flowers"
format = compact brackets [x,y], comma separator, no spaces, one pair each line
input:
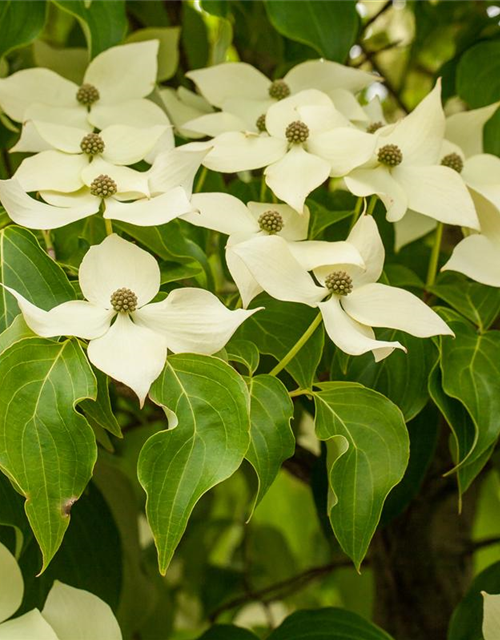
[301,130]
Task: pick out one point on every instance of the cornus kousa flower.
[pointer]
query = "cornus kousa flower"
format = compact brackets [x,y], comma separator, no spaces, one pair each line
[406,171]
[129,336]
[68,612]
[183,106]
[244,94]
[113,91]
[350,299]
[228,215]
[146,198]
[308,141]
[491,616]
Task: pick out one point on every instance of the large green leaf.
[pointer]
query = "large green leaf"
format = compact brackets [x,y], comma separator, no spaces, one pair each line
[402,377]
[26,267]
[368,451]
[328,27]
[470,366]
[20,23]
[276,329]
[100,409]
[207,404]
[103,23]
[227,632]
[46,448]
[478,74]
[327,624]
[271,438]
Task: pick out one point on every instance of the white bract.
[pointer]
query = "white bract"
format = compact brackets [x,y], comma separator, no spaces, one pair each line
[406,172]
[68,613]
[129,336]
[491,616]
[146,198]
[183,106]
[113,91]
[350,299]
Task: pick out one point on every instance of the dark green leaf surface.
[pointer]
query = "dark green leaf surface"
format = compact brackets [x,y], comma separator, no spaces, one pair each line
[100,410]
[478,74]
[207,404]
[227,632]
[368,451]
[244,352]
[46,447]
[20,23]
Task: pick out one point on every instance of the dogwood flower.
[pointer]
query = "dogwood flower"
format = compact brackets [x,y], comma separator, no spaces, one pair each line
[478,254]
[129,336]
[350,299]
[226,214]
[491,616]
[308,141]
[240,89]
[67,613]
[406,170]
[73,149]
[113,91]
[183,106]
[146,198]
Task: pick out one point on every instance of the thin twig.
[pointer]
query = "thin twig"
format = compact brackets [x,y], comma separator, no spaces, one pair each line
[387,83]
[377,15]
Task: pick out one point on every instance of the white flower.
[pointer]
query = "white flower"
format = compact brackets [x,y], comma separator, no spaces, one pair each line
[406,173]
[240,90]
[355,302]
[68,613]
[182,106]
[113,91]
[228,215]
[151,198]
[491,616]
[308,141]
[478,255]
[119,280]
[73,149]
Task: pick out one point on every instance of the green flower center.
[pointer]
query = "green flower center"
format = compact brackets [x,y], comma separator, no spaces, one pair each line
[339,282]
[453,161]
[124,300]
[279,90]
[390,155]
[260,123]
[271,221]
[87,94]
[92,144]
[103,186]
[297,132]
[374,126]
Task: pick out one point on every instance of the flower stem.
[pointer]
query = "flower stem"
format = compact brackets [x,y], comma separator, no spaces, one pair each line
[300,392]
[201,180]
[357,211]
[49,244]
[434,259]
[371,205]
[263,188]
[297,346]
[109,226]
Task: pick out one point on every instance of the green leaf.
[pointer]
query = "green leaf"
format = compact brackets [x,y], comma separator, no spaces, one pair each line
[168,54]
[276,329]
[70,63]
[26,267]
[14,332]
[323,217]
[477,302]
[368,451]
[327,624]
[103,23]
[492,135]
[470,365]
[46,447]
[328,27]
[12,511]
[271,438]
[244,352]
[100,410]
[227,631]
[402,377]
[467,619]
[478,74]
[207,405]
[194,38]
[20,23]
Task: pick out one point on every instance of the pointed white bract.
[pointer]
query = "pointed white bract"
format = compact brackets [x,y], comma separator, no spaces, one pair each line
[491,616]
[129,337]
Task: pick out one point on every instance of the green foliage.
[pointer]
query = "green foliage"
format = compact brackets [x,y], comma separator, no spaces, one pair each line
[21,22]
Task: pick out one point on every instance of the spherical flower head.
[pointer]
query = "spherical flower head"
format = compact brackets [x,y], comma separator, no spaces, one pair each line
[279,90]
[271,221]
[339,282]
[103,186]
[374,126]
[453,161]
[87,94]
[260,123]
[124,300]
[390,155]
[92,144]
[297,132]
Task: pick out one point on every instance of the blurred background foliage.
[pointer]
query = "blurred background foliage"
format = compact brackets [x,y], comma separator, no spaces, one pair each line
[227,570]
